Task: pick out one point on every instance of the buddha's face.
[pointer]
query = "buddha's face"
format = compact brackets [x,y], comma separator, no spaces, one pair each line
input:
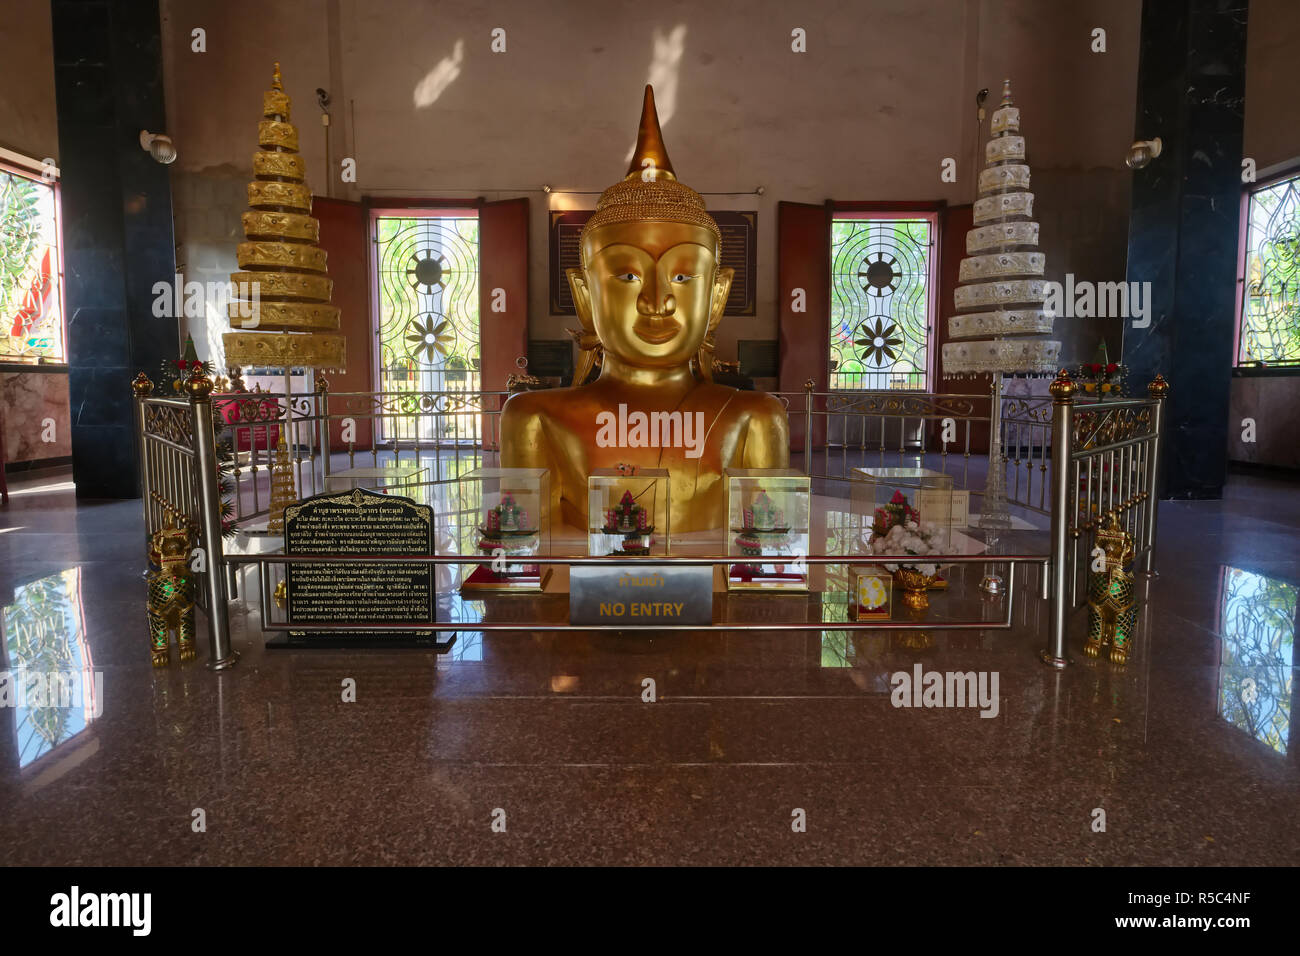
[652,289]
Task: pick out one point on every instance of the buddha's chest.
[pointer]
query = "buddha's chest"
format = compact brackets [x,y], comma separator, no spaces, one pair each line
[692,444]
[685,438]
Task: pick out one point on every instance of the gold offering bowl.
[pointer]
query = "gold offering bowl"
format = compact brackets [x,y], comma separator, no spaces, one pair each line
[914,585]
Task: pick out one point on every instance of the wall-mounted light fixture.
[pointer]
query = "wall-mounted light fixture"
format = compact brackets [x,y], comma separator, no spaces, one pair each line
[159,146]
[1142,152]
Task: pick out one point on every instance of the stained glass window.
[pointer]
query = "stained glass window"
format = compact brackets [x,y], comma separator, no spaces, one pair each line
[882,286]
[428,339]
[1270,301]
[31,306]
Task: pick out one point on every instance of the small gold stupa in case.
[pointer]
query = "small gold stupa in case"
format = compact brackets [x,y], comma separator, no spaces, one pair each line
[291,323]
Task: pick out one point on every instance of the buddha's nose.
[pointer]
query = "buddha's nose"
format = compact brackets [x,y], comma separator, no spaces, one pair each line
[646,305]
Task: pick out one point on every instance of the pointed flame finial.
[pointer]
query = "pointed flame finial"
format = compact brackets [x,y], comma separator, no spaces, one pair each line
[650,152]
[275,79]
[1006,93]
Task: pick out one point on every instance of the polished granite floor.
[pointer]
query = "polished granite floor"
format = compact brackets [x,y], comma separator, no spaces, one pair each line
[1187,749]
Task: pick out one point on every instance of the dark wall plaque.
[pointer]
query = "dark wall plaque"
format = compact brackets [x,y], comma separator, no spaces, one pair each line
[359,522]
[551,358]
[739,250]
[759,358]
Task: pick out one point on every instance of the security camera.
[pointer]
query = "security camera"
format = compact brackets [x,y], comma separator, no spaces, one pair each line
[159,146]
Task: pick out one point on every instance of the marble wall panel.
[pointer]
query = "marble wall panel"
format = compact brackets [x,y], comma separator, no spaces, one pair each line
[117,230]
[1184,224]
[35,415]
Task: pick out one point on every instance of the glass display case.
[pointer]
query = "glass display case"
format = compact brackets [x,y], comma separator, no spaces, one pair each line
[767,521]
[509,510]
[627,512]
[390,477]
[902,510]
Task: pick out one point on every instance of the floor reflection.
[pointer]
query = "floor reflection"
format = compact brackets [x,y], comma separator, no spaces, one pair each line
[468,648]
[745,724]
[1257,618]
[837,649]
[45,634]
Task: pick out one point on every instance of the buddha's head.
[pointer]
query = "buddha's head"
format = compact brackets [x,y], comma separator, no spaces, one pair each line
[650,290]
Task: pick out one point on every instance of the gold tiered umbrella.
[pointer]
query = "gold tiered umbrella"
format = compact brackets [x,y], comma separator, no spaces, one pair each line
[290,323]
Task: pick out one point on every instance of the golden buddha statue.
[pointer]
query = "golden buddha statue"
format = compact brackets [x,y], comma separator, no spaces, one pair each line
[650,295]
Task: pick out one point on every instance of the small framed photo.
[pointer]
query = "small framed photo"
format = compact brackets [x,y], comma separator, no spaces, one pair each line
[870,590]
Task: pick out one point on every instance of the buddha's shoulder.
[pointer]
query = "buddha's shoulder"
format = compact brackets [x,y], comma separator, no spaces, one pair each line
[540,402]
[750,403]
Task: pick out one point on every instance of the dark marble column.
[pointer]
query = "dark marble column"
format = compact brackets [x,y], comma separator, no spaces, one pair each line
[1183,230]
[117,226]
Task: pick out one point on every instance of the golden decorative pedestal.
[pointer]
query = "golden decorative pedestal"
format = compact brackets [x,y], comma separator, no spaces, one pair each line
[914,586]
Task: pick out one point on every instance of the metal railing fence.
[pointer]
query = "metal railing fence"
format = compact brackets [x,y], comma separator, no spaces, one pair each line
[1079,461]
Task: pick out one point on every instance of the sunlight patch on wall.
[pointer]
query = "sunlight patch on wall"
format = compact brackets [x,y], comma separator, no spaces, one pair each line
[437,80]
[664,64]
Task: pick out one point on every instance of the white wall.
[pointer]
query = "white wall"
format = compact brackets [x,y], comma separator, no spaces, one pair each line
[883,95]
[28,123]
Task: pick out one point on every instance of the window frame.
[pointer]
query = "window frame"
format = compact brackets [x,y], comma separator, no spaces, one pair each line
[930,211]
[1289,170]
[29,168]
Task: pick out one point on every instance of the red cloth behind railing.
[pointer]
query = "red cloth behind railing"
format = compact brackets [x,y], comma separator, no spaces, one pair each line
[260,437]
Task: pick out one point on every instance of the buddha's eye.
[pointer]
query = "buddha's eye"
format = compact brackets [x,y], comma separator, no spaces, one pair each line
[627,277]
[682,277]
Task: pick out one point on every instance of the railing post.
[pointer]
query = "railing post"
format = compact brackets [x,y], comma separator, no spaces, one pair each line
[323,409]
[1158,390]
[220,654]
[808,387]
[1062,434]
[141,388]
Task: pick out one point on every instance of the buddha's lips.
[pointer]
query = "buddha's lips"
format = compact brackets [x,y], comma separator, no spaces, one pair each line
[656,330]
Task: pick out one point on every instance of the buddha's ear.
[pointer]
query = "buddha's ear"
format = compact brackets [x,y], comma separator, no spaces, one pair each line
[721,289]
[589,351]
[581,297]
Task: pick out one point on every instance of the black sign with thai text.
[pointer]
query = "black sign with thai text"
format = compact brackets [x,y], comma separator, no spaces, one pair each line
[359,522]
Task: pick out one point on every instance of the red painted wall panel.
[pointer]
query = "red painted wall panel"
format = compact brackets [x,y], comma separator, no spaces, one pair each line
[955,222]
[803,261]
[343,237]
[503,265]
